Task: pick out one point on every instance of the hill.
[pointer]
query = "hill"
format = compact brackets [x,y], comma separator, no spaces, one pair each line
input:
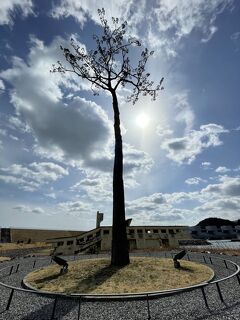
[218,222]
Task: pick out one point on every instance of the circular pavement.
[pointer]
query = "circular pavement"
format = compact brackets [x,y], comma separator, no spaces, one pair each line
[222,300]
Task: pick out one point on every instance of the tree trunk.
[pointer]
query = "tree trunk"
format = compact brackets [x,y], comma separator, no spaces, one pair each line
[119,254]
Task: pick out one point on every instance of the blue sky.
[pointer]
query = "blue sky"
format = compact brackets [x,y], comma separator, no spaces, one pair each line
[181,151]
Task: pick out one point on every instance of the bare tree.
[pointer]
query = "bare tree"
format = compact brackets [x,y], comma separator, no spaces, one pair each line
[108,67]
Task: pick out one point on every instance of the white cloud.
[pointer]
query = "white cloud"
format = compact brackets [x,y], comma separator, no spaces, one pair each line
[169,21]
[188,147]
[9,8]
[165,22]
[183,116]
[183,16]
[28,209]
[51,195]
[77,208]
[127,10]
[154,209]
[13,137]
[15,123]
[67,130]
[206,164]
[2,86]
[194,180]
[211,31]
[220,207]
[222,170]
[33,176]
[97,186]
[146,204]
[219,200]
[163,131]
[235,36]
[3,132]
[176,198]
[228,187]
[184,111]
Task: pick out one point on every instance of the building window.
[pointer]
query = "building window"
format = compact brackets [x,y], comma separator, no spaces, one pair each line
[131,231]
[105,231]
[139,231]
[163,231]
[148,231]
[177,230]
[171,231]
[60,243]
[69,242]
[155,230]
[210,232]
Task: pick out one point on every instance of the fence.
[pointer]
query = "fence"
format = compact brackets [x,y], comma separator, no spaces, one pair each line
[232,267]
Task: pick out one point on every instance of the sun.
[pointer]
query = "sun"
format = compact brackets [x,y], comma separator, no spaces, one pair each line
[142,120]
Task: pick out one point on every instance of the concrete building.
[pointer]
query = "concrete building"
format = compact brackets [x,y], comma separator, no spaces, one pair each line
[139,237]
[32,235]
[215,233]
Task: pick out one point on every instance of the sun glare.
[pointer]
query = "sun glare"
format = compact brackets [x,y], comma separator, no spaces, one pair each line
[142,120]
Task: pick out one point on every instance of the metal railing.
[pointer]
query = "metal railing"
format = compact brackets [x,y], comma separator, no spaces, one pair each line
[146,296]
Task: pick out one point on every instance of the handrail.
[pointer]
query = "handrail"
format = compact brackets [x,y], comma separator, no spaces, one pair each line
[125,295]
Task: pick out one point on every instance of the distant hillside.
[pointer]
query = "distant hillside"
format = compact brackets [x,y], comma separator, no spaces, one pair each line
[218,222]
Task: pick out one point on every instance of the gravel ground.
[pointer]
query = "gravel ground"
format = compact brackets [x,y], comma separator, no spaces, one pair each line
[184,306]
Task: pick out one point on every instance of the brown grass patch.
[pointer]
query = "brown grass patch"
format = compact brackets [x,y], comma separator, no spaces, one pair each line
[20,246]
[97,276]
[2,259]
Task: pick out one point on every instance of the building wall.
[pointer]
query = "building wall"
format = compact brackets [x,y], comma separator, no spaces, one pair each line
[33,235]
[214,232]
[139,237]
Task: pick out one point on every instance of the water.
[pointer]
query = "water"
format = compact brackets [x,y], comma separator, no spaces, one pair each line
[218,244]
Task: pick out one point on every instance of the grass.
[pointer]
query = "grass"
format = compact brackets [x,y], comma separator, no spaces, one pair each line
[97,276]
[4,259]
[19,246]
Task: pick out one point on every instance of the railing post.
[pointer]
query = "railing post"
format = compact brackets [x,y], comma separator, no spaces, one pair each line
[79,307]
[204,259]
[54,308]
[204,297]
[17,268]
[238,278]
[11,269]
[188,257]
[210,260]
[148,308]
[225,262]
[9,300]
[219,292]
[34,263]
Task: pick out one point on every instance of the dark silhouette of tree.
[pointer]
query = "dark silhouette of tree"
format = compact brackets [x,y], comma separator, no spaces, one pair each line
[108,67]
